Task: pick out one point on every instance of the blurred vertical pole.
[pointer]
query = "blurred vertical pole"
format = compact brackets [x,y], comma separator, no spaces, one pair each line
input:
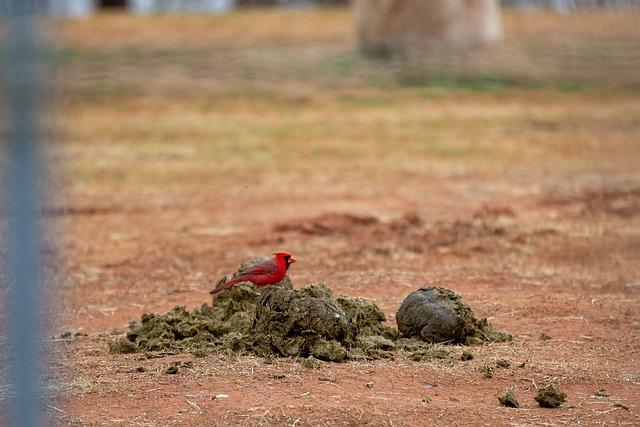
[20,68]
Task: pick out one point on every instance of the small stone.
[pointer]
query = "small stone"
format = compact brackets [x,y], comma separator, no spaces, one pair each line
[171,370]
[140,369]
[466,355]
[279,376]
[550,397]
[543,336]
[503,363]
[601,393]
[426,400]
[369,384]
[487,371]
[219,396]
[621,405]
[508,398]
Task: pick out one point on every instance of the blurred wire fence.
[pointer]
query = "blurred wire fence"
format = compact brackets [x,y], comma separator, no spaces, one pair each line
[21,187]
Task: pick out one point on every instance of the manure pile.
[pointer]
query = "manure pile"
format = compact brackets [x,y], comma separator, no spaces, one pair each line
[278,321]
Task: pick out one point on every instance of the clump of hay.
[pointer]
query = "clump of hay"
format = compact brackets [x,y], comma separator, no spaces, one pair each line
[550,397]
[439,315]
[278,321]
[303,322]
[308,322]
[508,398]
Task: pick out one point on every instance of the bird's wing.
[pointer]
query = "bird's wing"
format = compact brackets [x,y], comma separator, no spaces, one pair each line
[262,269]
[247,265]
[243,271]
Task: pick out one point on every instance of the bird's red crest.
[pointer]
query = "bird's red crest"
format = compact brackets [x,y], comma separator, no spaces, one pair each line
[286,256]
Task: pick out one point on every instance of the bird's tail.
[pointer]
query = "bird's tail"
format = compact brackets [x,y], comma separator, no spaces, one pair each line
[227,285]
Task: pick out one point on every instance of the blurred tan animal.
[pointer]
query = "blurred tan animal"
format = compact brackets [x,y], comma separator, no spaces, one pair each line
[385,26]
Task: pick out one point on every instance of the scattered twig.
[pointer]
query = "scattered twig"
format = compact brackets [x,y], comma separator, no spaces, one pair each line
[554,318]
[55,409]
[595,414]
[533,382]
[196,407]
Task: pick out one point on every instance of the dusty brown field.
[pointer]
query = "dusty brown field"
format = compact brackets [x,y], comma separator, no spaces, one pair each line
[186,144]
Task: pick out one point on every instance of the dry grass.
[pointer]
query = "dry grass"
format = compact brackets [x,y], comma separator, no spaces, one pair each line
[251,48]
[239,29]
[182,143]
[189,99]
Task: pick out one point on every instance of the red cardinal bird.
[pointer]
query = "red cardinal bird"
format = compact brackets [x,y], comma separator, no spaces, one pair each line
[267,272]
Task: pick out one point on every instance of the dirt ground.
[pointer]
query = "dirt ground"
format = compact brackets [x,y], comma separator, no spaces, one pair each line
[176,165]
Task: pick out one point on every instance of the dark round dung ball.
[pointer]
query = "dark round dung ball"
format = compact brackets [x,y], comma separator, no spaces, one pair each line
[435,315]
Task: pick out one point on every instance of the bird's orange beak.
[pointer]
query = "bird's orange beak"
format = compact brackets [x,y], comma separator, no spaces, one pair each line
[292,260]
